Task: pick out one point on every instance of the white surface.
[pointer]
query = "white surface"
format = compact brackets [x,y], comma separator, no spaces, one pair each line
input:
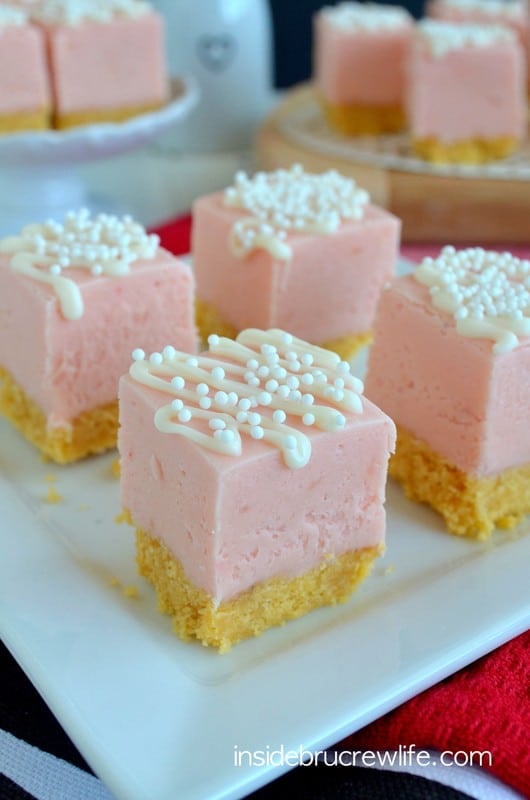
[158,718]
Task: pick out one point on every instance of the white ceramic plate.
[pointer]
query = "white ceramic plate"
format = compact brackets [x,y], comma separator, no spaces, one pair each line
[160,719]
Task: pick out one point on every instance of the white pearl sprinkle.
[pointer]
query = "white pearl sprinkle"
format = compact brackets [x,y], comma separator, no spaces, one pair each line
[138,354]
[213,340]
[253,418]
[217,424]
[177,382]
[156,358]
[308,419]
[256,432]
[279,416]
[218,373]
[177,404]
[202,389]
[205,403]
[221,398]
[185,415]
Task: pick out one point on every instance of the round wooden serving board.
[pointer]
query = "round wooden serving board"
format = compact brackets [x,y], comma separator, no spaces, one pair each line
[486,204]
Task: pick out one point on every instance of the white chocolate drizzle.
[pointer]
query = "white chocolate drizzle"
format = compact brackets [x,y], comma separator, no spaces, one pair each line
[251,386]
[75,12]
[487,293]
[366,17]
[105,245]
[12,17]
[290,201]
[440,37]
[509,9]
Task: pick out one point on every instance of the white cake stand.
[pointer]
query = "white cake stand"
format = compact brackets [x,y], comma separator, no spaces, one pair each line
[39,170]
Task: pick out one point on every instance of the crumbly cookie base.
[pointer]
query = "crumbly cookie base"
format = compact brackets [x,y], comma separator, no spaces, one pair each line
[209,320]
[38,120]
[470,506]
[362,120]
[91,432]
[270,603]
[88,117]
[469,151]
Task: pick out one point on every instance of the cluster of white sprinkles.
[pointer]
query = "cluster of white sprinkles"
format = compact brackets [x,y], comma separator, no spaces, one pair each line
[251,386]
[74,12]
[290,201]
[441,37]
[12,17]
[487,293]
[501,8]
[368,17]
[105,245]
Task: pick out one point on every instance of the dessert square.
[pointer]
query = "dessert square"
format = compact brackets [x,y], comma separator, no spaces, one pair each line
[467,98]
[24,90]
[360,66]
[513,13]
[75,297]
[255,477]
[106,58]
[451,365]
[287,249]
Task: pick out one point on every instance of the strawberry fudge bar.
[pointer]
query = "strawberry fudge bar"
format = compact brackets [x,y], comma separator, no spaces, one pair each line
[467,98]
[287,249]
[451,365]
[24,91]
[74,299]
[513,13]
[360,66]
[255,477]
[106,59]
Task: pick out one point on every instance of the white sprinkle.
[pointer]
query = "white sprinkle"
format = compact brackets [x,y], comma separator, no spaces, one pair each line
[156,358]
[221,398]
[217,424]
[242,416]
[205,403]
[202,389]
[185,415]
[308,379]
[138,354]
[340,421]
[308,419]
[177,404]
[256,432]
[253,418]
[213,340]
[218,373]
[192,362]
[290,442]
[279,416]
[265,399]
[177,382]
[245,404]
[252,364]
[55,269]
[169,352]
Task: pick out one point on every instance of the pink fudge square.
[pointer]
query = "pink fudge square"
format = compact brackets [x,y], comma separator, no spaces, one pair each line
[467,83]
[23,72]
[328,288]
[256,507]
[513,13]
[452,392]
[69,366]
[107,66]
[361,54]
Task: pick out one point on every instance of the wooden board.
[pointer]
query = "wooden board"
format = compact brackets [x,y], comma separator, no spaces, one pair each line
[433,208]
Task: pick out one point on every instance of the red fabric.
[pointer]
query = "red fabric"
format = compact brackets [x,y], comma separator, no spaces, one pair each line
[483,707]
[175,235]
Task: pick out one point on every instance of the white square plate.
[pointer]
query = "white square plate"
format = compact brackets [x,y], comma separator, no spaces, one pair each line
[160,719]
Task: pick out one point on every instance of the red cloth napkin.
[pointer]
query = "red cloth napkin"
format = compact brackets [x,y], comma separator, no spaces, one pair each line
[484,707]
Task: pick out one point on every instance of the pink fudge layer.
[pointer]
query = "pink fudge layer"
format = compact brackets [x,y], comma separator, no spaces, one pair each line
[23,71]
[70,366]
[361,67]
[116,64]
[474,92]
[468,404]
[328,289]
[235,521]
